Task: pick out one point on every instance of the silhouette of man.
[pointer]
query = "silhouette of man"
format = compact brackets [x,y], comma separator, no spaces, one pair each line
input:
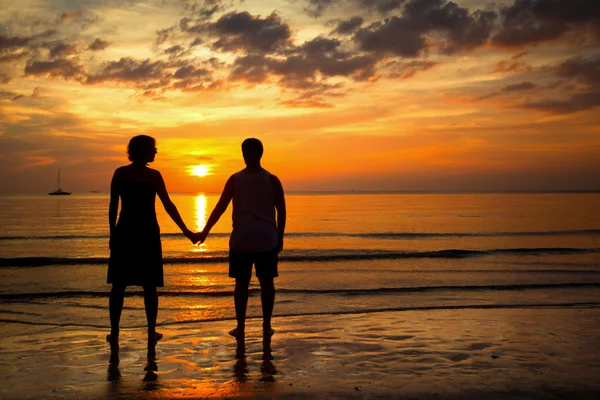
[259,217]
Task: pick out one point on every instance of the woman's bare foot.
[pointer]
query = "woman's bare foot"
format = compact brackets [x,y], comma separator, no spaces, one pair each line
[154,337]
[237,333]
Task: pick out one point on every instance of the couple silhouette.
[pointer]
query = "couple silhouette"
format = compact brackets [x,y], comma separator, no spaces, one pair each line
[259,217]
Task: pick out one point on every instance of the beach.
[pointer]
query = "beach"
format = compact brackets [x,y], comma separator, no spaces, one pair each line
[408,296]
[542,353]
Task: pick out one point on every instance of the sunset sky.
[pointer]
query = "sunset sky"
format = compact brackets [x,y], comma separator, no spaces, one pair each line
[345,94]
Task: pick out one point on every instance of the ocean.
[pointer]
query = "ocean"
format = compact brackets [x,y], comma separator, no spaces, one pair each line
[345,253]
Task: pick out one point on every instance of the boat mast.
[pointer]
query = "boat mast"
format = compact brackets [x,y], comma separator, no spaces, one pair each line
[58,178]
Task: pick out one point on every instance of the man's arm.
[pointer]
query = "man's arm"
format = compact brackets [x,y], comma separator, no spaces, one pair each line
[281,211]
[161,190]
[113,206]
[219,209]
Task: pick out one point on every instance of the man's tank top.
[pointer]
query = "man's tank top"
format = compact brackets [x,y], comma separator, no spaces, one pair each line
[254,225]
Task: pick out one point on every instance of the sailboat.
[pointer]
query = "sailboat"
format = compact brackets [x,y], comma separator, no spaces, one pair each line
[59,191]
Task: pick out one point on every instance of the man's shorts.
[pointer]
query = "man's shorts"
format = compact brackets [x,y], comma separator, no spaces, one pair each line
[265,262]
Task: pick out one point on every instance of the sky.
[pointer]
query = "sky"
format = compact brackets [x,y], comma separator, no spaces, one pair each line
[374,95]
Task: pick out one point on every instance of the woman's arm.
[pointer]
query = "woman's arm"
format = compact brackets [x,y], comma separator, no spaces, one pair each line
[113,206]
[161,190]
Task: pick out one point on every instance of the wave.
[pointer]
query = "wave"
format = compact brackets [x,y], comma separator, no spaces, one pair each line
[343,292]
[372,235]
[355,255]
[335,313]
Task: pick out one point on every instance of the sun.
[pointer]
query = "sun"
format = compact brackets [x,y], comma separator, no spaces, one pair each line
[199,170]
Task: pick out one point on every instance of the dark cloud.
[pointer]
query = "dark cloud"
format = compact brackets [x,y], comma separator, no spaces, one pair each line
[4,78]
[176,51]
[164,34]
[303,64]
[81,17]
[153,78]
[252,68]
[128,69]
[412,34]
[394,36]
[586,71]
[349,26]
[189,71]
[511,66]
[61,49]
[382,6]
[68,69]
[242,31]
[316,8]
[529,22]
[12,96]
[10,42]
[98,44]
[517,87]
[577,102]
[405,70]
[12,57]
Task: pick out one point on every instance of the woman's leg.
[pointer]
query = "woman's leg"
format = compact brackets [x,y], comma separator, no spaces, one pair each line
[115,306]
[151,304]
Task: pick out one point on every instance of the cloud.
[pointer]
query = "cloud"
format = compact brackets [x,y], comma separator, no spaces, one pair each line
[411,35]
[382,6]
[61,49]
[4,78]
[176,51]
[98,44]
[303,64]
[242,31]
[349,26]
[68,69]
[518,87]
[128,69]
[405,70]
[316,8]
[10,42]
[529,22]
[586,71]
[12,96]
[155,77]
[511,66]
[575,103]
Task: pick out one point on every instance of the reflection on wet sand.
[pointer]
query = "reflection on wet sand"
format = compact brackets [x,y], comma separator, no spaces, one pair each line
[267,368]
[240,368]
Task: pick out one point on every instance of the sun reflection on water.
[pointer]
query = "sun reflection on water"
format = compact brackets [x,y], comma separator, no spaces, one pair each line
[201,217]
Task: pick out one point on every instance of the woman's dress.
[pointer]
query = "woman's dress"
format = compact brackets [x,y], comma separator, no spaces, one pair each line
[135,248]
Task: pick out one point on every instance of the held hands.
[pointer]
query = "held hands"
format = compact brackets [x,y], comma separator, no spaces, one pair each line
[196,237]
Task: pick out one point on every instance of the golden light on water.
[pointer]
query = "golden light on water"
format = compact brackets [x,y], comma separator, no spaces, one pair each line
[199,170]
[200,212]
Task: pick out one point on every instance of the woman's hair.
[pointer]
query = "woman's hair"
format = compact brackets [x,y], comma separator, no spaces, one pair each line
[140,147]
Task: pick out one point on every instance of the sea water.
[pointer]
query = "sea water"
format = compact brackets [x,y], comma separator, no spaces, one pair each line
[344,253]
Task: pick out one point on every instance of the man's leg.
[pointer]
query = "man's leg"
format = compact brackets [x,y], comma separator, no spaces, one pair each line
[267,299]
[240,298]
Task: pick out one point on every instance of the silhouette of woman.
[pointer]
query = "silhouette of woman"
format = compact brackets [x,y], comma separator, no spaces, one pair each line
[135,247]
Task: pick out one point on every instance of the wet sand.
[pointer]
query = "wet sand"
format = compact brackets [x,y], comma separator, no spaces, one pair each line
[544,353]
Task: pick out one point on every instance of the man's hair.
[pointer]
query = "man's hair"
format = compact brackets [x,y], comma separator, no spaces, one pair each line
[140,147]
[252,149]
